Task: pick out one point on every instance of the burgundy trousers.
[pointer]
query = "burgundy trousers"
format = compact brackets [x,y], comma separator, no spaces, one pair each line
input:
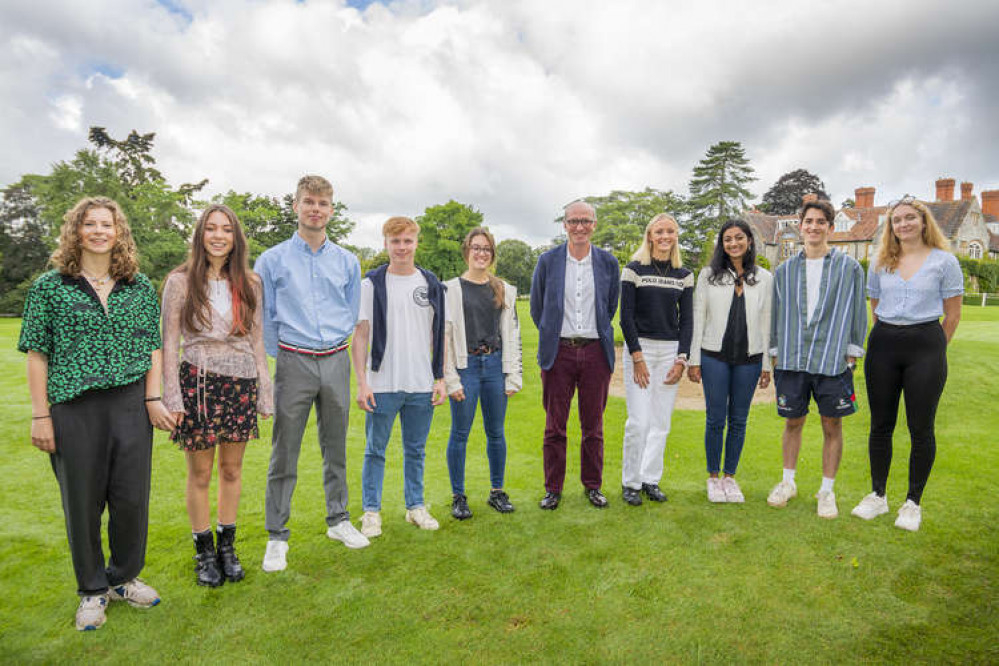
[584,369]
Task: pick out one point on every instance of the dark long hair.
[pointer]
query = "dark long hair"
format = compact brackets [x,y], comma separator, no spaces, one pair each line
[195,312]
[721,264]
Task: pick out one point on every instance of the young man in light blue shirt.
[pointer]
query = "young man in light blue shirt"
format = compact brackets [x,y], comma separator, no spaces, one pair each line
[312,293]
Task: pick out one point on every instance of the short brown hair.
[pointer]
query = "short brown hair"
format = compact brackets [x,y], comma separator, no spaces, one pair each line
[818,204]
[124,255]
[399,225]
[313,185]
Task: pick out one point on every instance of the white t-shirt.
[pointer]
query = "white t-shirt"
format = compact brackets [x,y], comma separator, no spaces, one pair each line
[813,279]
[220,296]
[409,318]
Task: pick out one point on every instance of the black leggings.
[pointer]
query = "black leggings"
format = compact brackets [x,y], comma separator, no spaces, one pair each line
[910,360]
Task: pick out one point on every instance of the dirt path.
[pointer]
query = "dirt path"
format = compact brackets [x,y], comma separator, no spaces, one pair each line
[691,395]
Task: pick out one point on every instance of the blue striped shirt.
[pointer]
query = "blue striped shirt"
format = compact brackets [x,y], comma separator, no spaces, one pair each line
[837,329]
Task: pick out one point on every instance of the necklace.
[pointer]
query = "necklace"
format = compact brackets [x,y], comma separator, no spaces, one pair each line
[98,282]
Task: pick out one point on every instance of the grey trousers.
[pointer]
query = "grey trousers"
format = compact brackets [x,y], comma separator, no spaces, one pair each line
[299,383]
[103,457]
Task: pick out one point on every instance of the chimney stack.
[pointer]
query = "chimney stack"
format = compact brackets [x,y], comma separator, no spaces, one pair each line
[966,189]
[945,189]
[990,202]
[863,197]
[811,196]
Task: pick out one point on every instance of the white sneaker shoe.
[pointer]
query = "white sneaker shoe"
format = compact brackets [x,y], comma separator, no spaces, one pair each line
[421,518]
[827,504]
[733,493]
[276,556]
[136,593]
[371,524]
[871,507]
[910,515]
[90,614]
[347,534]
[781,493]
[716,492]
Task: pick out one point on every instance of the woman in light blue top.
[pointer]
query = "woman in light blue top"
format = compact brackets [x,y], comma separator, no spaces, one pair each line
[914,281]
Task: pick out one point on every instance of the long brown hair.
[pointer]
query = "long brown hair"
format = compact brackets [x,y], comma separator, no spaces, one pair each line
[196,312]
[494,282]
[891,250]
[124,255]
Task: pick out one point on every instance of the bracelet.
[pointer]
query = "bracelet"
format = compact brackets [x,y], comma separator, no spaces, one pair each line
[681,361]
[156,399]
[46,416]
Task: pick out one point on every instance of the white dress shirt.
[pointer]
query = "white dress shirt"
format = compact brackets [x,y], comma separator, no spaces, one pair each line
[579,316]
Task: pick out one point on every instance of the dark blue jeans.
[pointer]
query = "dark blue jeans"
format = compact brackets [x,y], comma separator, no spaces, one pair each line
[728,393]
[483,381]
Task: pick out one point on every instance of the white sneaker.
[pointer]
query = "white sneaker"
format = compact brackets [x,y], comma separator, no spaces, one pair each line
[781,493]
[827,504]
[371,524]
[909,516]
[276,556]
[733,493]
[421,518]
[90,614]
[716,492]
[871,507]
[348,535]
[136,593]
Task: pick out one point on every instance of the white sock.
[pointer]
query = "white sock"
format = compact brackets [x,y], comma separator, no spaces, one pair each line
[788,475]
[827,485]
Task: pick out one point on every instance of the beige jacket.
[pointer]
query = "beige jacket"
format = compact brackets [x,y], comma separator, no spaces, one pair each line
[712,303]
[456,347]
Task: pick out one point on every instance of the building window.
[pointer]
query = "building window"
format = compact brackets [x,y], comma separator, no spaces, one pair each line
[974,251]
[786,249]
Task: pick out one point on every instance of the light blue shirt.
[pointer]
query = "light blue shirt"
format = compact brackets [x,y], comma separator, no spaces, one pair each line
[311,299]
[920,298]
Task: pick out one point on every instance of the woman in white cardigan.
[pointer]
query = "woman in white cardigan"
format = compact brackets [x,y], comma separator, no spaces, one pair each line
[482,363]
[732,305]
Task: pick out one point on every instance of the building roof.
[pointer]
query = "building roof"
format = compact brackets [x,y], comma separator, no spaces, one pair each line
[865,224]
[950,214]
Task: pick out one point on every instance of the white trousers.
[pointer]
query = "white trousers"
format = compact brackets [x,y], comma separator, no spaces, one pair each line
[650,410]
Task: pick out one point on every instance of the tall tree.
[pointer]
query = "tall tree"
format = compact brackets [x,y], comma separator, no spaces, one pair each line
[24,245]
[515,262]
[442,230]
[717,188]
[784,197]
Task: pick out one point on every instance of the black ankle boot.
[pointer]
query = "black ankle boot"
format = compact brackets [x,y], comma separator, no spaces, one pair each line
[205,565]
[231,568]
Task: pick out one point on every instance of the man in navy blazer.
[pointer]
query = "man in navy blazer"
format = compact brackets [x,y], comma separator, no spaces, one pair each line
[574,296]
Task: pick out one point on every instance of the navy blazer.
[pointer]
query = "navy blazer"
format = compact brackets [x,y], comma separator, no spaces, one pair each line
[548,294]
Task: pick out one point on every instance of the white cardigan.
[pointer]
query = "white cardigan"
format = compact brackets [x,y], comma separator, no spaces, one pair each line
[712,303]
[456,348]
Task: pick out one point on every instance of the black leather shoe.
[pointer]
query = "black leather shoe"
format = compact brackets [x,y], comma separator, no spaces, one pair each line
[596,498]
[206,564]
[631,496]
[550,501]
[653,493]
[500,501]
[459,508]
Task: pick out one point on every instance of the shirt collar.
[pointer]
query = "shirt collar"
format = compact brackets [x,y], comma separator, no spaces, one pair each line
[581,262]
[299,244]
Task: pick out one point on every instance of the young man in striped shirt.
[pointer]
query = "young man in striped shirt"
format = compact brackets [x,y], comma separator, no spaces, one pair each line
[818,325]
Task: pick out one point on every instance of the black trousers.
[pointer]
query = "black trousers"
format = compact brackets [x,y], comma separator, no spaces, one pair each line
[104,445]
[910,360]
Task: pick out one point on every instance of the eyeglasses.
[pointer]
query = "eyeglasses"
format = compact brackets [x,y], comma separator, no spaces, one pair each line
[480,249]
[906,200]
[579,222]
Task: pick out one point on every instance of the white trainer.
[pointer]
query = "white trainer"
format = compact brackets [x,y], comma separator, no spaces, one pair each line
[371,524]
[716,492]
[910,515]
[276,556]
[136,593]
[781,493]
[871,507]
[733,493]
[421,518]
[827,504]
[90,613]
[348,535]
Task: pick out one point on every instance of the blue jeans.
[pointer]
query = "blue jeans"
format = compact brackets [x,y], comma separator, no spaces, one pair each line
[483,380]
[415,414]
[728,393]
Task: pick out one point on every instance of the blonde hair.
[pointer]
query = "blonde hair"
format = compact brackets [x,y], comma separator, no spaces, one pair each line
[890,249]
[124,254]
[494,282]
[399,225]
[316,185]
[643,254]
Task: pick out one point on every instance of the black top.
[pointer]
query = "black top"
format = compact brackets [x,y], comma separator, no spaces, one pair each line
[735,343]
[482,317]
[657,302]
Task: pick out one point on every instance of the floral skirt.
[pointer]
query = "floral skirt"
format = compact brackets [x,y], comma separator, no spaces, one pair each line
[216,409]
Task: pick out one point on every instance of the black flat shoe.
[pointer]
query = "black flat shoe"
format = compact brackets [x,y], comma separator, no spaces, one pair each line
[500,501]
[596,498]
[631,496]
[653,493]
[459,508]
[550,501]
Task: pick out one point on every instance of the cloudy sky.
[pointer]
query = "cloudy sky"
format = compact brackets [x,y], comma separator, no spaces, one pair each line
[513,106]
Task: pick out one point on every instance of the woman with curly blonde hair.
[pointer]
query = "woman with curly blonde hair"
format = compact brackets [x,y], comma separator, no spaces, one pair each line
[91,332]
[914,281]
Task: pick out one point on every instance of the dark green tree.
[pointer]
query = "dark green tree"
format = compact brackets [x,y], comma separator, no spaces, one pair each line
[442,230]
[718,189]
[784,197]
[24,245]
[515,262]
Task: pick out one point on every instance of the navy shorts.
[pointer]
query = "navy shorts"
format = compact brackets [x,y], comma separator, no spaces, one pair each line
[833,393]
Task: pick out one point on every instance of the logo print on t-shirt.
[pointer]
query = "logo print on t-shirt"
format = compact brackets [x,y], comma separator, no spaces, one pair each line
[420,297]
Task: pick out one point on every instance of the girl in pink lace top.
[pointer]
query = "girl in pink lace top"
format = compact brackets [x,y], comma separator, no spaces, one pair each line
[219,383]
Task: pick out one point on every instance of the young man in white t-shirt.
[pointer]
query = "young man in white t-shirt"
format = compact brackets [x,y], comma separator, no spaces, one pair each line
[398,355]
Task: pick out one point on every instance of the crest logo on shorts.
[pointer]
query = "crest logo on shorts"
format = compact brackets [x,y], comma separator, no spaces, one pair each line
[420,297]
[782,401]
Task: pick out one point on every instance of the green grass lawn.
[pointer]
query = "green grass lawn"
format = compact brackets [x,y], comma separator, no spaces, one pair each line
[686,581]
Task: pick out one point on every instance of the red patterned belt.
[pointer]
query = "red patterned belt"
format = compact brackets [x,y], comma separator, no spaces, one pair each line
[305,351]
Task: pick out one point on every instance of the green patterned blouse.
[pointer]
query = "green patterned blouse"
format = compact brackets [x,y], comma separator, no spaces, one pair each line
[86,347]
